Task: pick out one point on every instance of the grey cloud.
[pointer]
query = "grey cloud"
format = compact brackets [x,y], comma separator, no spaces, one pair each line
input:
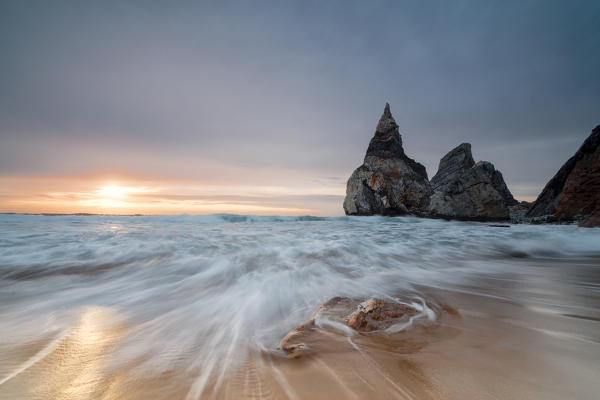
[298,85]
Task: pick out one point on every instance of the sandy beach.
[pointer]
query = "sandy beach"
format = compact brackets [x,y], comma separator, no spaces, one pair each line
[511,315]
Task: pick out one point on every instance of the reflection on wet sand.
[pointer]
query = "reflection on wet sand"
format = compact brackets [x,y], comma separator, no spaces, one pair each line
[68,366]
[419,309]
[487,347]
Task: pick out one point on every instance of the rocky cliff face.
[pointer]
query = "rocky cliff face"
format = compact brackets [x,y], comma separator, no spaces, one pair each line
[388,182]
[467,190]
[574,192]
[452,165]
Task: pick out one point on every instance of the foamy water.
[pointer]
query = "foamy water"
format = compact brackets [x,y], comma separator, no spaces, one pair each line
[200,294]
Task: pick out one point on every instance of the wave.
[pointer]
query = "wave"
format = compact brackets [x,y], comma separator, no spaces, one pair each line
[208,288]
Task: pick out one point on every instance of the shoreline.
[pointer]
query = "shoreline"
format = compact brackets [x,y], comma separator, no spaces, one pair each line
[161,308]
[545,220]
[472,352]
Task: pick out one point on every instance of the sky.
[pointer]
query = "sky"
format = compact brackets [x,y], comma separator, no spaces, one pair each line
[267,107]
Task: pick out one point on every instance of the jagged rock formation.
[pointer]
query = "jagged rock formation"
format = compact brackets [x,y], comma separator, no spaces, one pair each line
[391,183]
[467,190]
[574,192]
[388,182]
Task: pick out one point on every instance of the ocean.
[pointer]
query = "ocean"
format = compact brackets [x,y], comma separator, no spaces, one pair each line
[194,306]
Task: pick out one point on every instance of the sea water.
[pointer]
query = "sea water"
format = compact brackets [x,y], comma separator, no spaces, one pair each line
[124,306]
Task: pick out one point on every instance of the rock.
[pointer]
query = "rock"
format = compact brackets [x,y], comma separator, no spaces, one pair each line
[518,211]
[393,324]
[452,166]
[545,219]
[581,193]
[592,220]
[574,192]
[377,314]
[292,344]
[388,182]
[343,314]
[467,190]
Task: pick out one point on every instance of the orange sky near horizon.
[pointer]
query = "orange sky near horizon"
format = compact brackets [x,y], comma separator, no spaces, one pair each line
[113,195]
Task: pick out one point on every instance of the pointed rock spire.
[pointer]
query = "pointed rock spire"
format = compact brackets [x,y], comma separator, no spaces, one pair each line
[386,110]
[388,182]
[387,142]
[387,123]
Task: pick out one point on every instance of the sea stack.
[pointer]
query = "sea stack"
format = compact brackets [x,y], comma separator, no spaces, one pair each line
[388,182]
[463,189]
[574,192]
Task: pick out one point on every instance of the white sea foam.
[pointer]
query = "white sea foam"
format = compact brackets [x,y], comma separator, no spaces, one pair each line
[201,291]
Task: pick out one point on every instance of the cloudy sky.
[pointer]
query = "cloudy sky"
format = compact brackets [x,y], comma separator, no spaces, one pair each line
[267,107]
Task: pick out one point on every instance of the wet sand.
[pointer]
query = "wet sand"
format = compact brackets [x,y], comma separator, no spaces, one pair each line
[195,307]
[494,347]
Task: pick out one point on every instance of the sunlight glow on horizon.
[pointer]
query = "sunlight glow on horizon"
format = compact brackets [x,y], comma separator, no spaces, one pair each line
[127,196]
[62,195]
[115,191]
[113,196]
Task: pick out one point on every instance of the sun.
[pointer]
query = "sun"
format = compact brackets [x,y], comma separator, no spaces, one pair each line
[113,192]
[112,196]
